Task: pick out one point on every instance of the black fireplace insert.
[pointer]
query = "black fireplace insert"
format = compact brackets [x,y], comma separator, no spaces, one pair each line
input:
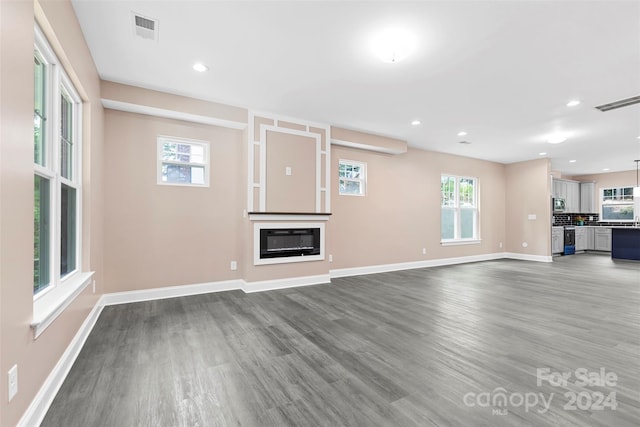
[289,242]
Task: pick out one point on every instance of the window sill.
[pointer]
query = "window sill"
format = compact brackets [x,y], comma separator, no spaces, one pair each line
[460,242]
[48,307]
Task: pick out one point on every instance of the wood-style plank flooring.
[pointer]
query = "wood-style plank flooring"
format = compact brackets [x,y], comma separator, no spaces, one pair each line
[409,348]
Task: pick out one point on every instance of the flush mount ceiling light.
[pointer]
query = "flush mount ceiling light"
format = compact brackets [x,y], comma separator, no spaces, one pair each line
[606,169]
[556,139]
[416,122]
[393,44]
[572,161]
[573,103]
[543,153]
[463,133]
[200,67]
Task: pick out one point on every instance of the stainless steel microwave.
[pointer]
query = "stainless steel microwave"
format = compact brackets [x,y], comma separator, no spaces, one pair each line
[558,205]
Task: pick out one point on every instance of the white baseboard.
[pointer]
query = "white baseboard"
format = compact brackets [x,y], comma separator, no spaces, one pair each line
[40,404]
[171,292]
[527,257]
[269,285]
[372,269]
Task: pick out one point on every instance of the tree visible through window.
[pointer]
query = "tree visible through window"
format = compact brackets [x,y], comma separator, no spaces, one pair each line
[459,208]
[183,162]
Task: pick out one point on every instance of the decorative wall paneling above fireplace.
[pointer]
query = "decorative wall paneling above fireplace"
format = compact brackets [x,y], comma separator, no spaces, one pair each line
[289,165]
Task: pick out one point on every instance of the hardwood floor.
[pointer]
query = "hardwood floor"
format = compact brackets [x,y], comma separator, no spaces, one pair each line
[410,348]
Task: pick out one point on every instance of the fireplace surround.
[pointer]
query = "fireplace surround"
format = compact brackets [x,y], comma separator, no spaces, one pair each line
[276,243]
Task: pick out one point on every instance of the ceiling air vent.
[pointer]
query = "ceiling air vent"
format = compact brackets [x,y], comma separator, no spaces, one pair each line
[144,27]
[619,104]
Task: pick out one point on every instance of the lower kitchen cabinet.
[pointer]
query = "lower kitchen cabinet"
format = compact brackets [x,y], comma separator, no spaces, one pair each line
[557,240]
[602,239]
[582,240]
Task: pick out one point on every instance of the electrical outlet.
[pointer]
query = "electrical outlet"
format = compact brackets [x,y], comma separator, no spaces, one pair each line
[500,245]
[13,381]
[234,265]
[424,251]
[590,217]
[287,171]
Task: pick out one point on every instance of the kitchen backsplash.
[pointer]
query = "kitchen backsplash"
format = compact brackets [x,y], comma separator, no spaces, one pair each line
[570,219]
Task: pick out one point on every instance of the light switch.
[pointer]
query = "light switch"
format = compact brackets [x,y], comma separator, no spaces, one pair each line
[287,171]
[532,217]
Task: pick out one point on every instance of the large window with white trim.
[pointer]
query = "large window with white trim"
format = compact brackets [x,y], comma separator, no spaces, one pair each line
[57,172]
[459,209]
[183,161]
[616,204]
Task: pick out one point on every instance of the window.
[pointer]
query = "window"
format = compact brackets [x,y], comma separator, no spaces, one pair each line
[459,209]
[57,172]
[617,204]
[183,162]
[352,177]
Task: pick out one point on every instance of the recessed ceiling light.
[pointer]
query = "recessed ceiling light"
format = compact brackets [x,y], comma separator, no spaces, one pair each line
[463,133]
[393,44]
[416,122]
[638,137]
[573,103]
[543,153]
[556,139]
[572,161]
[606,169]
[200,67]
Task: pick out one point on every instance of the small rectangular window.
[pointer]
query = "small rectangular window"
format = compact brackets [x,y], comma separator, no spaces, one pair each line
[183,162]
[352,178]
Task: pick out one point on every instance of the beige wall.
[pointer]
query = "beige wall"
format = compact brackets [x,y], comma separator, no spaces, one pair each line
[160,235]
[36,358]
[295,192]
[528,187]
[400,213]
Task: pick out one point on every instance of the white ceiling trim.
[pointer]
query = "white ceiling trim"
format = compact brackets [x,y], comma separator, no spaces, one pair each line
[361,146]
[171,114]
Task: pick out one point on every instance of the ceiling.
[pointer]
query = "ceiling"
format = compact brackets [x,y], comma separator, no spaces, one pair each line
[503,71]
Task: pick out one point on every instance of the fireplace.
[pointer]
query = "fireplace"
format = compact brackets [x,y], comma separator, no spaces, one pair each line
[282,243]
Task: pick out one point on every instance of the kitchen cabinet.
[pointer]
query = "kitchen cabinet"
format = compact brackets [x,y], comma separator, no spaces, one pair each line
[557,240]
[573,197]
[582,242]
[602,239]
[570,192]
[559,189]
[590,239]
[588,197]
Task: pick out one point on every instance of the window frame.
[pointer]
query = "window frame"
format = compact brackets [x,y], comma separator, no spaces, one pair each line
[362,181]
[51,299]
[161,139]
[625,198]
[58,83]
[458,209]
